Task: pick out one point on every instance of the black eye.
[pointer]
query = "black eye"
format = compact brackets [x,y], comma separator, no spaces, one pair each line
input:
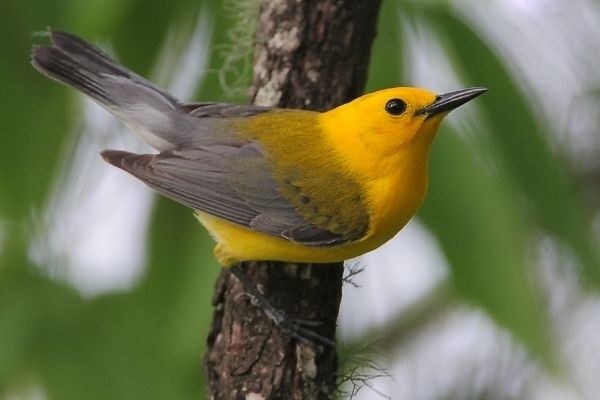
[395,106]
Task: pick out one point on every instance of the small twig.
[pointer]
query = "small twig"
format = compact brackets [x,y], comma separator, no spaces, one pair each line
[360,371]
[351,271]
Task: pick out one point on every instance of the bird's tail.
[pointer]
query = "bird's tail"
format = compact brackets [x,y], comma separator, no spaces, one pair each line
[75,62]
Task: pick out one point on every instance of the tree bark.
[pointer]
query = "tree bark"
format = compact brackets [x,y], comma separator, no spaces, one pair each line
[310,54]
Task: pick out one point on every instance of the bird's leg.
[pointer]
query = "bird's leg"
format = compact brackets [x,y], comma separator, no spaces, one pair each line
[296,328]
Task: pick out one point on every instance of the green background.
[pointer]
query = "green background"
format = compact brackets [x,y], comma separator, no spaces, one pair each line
[490,201]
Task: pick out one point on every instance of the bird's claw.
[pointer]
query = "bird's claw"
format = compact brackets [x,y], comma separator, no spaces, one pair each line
[299,329]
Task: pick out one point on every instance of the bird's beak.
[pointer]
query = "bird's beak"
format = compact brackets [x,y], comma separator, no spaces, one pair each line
[449,101]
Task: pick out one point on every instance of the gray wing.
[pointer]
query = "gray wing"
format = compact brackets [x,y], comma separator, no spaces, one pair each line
[215,179]
[202,165]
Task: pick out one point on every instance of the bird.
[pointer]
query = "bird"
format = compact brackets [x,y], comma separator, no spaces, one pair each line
[269,183]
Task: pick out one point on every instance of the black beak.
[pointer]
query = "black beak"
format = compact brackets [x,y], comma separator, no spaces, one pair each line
[449,101]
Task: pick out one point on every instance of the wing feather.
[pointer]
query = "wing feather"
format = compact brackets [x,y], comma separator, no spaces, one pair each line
[217,180]
[222,110]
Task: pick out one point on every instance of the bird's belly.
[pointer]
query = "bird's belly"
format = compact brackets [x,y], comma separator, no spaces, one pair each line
[391,206]
[236,243]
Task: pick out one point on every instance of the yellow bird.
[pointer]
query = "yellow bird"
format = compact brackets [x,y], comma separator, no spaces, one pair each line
[268,183]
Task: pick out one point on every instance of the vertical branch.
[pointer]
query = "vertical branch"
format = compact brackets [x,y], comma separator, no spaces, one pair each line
[311,54]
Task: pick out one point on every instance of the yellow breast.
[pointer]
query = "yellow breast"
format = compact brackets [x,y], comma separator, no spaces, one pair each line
[393,169]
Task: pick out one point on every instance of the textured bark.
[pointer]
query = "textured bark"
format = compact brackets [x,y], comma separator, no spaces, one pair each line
[311,54]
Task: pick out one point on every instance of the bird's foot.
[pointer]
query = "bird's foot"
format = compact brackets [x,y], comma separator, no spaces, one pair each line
[299,329]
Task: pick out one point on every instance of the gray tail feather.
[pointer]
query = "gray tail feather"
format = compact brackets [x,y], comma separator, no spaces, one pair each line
[77,63]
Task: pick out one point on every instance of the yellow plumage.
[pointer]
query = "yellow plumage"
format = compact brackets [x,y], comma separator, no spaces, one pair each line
[387,155]
[270,184]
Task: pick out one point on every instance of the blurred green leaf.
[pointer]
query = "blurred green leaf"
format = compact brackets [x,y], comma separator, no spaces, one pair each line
[385,69]
[483,232]
[137,46]
[34,118]
[145,343]
[485,220]
[543,176]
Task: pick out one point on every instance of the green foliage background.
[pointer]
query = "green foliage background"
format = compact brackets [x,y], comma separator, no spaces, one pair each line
[147,342]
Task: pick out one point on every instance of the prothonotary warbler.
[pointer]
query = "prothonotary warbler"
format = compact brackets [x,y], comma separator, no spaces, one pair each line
[268,183]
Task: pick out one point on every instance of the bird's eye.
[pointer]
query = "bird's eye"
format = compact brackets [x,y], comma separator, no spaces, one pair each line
[395,107]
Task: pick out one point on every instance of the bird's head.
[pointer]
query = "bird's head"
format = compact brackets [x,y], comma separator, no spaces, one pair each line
[391,120]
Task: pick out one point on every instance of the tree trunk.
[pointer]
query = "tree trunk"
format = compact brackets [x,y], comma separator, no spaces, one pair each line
[311,54]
